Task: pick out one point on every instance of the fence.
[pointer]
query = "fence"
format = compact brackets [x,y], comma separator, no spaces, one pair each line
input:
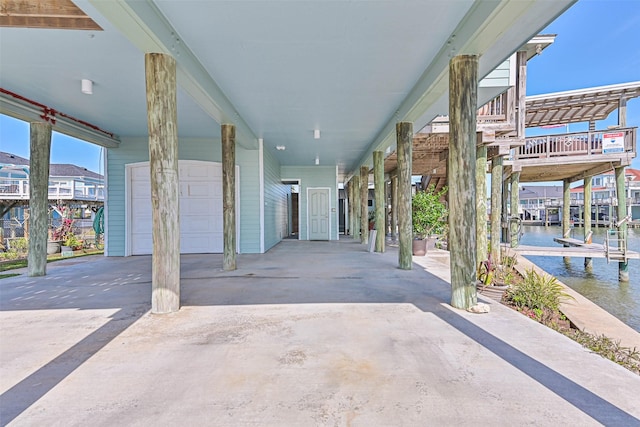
[13,229]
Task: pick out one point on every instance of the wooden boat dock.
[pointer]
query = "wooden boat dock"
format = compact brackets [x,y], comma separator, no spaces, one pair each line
[570,248]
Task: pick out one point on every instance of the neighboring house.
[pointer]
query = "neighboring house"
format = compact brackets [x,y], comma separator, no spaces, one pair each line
[69,185]
[541,203]
[604,197]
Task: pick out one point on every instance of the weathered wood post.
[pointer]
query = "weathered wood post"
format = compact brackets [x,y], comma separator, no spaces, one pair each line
[347,209]
[165,192]
[404,138]
[356,206]
[378,182]
[40,153]
[496,207]
[481,201]
[514,223]
[394,207]
[505,207]
[566,215]
[621,191]
[586,219]
[364,204]
[463,100]
[228,132]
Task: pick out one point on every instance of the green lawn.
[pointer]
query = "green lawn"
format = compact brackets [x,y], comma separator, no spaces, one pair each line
[22,262]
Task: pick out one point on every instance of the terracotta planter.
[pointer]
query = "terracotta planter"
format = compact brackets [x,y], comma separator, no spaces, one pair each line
[419,247]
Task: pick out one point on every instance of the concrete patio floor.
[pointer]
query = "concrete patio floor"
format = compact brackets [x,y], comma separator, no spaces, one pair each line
[309,334]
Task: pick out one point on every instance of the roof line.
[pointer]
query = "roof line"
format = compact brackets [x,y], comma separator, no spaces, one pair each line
[610,88]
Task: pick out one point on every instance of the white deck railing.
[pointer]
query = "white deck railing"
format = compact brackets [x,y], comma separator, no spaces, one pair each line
[574,144]
[18,189]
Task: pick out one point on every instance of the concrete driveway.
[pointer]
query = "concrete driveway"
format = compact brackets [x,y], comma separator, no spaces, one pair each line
[309,334]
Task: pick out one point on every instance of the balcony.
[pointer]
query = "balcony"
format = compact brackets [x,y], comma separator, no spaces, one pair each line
[574,144]
[18,189]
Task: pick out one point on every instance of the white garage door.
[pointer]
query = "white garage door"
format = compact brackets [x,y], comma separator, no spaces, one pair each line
[200,208]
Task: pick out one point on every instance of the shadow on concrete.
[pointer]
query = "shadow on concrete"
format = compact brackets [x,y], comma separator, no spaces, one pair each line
[76,285]
[291,273]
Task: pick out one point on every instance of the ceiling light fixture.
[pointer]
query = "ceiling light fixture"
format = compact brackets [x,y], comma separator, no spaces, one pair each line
[317,160]
[87,87]
[316,134]
[280,147]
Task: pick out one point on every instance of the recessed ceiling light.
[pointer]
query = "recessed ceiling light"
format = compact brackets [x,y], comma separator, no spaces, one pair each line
[280,147]
[316,134]
[317,160]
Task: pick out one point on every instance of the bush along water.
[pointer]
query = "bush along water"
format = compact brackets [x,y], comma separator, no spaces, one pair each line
[539,296]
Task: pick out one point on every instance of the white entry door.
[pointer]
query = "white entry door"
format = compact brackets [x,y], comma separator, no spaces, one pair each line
[200,208]
[318,208]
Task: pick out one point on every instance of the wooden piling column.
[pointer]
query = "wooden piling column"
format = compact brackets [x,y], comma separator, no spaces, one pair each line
[364,204]
[228,132]
[40,154]
[481,201]
[162,121]
[515,204]
[496,207]
[404,138]
[347,209]
[504,226]
[352,204]
[566,213]
[586,219]
[394,208]
[566,205]
[463,96]
[378,182]
[621,191]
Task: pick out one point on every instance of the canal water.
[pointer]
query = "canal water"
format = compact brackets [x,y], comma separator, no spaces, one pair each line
[601,285]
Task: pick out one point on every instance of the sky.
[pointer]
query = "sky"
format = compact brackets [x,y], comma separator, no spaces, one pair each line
[596,45]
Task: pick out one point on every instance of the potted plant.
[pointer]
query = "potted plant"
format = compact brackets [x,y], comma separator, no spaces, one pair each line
[495,279]
[429,216]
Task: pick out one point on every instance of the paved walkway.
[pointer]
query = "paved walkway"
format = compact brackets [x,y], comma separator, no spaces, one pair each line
[309,334]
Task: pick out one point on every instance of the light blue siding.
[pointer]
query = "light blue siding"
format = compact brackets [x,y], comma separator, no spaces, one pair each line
[314,177]
[275,203]
[249,200]
[499,77]
[134,150]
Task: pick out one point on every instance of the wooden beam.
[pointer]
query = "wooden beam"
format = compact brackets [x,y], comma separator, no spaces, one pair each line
[40,153]
[404,137]
[53,14]
[597,170]
[378,182]
[364,204]
[463,96]
[228,132]
[162,121]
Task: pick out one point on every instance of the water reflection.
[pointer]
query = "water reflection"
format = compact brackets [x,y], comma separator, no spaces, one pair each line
[600,284]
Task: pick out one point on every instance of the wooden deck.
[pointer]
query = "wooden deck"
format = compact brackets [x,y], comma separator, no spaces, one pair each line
[576,249]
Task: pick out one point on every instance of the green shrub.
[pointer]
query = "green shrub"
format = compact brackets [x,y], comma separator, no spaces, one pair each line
[19,245]
[537,291]
[428,212]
